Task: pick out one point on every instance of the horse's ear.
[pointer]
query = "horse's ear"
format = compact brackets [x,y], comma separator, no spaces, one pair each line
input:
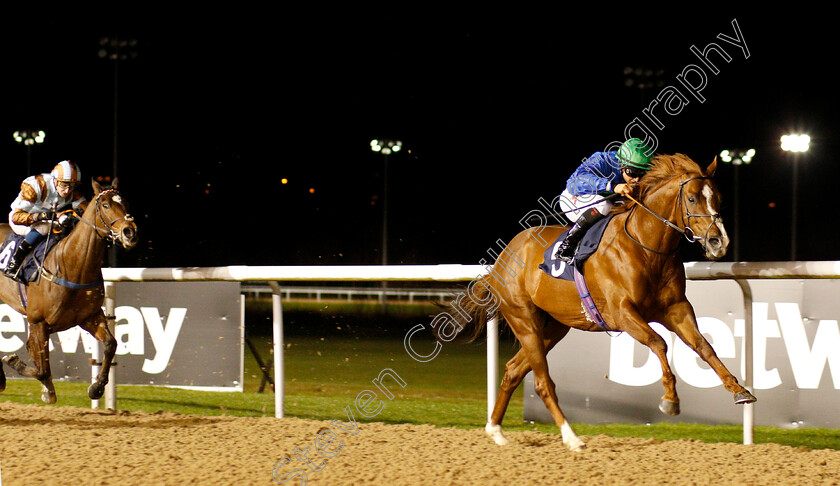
[710,170]
[114,185]
[96,187]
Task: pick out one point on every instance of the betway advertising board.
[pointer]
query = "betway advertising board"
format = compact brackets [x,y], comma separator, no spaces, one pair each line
[796,362]
[168,333]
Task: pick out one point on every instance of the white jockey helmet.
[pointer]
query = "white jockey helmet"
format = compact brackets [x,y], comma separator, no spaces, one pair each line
[66,171]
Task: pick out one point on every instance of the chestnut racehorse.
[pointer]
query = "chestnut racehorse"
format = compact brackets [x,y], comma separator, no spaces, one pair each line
[635,277]
[70,290]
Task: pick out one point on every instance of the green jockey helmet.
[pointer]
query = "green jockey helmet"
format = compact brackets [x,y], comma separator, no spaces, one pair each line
[632,154]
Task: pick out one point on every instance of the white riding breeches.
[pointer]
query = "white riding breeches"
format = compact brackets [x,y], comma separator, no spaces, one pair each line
[574,206]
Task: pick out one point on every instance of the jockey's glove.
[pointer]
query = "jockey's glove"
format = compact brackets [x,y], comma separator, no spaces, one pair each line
[44,216]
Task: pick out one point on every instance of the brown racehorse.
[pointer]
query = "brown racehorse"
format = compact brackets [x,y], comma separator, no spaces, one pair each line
[635,277]
[70,290]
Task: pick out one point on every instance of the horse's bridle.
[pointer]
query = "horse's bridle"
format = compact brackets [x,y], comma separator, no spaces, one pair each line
[687,217]
[108,232]
[686,230]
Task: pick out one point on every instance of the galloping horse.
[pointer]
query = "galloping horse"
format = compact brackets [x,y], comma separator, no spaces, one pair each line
[70,290]
[635,277]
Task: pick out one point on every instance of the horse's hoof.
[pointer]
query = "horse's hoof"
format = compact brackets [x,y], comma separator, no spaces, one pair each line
[571,439]
[669,408]
[47,397]
[576,445]
[495,433]
[95,391]
[743,397]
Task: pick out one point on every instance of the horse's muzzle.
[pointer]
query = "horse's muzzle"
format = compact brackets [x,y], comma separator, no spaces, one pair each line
[716,247]
[128,235]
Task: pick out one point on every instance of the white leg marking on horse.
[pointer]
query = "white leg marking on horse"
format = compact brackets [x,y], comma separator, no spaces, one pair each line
[570,438]
[495,432]
[47,395]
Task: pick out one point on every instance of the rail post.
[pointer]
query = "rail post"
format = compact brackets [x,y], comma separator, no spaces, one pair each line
[277,342]
[492,364]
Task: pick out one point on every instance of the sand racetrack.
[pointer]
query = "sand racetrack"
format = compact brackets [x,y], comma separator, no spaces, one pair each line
[67,445]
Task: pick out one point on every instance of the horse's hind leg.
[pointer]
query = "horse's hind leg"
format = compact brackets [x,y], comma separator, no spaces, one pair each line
[515,371]
[544,386]
[39,351]
[527,326]
[97,325]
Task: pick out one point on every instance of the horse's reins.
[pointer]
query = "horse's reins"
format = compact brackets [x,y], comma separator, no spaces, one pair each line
[687,232]
[104,234]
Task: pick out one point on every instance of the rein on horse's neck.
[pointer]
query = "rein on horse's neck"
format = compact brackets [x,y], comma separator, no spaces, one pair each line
[80,254]
[648,231]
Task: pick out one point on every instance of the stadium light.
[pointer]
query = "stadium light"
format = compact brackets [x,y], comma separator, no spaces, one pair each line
[386,147]
[795,144]
[116,49]
[29,138]
[736,157]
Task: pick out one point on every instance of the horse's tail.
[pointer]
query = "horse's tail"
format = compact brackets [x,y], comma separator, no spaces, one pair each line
[469,313]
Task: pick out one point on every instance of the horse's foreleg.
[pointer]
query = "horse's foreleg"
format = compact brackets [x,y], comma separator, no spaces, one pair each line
[641,331]
[97,326]
[38,346]
[685,326]
[515,371]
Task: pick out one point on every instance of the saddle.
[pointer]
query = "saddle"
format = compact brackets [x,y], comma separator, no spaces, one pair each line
[558,268]
[32,263]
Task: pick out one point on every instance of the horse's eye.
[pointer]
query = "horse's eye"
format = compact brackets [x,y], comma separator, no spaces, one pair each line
[106,206]
[691,200]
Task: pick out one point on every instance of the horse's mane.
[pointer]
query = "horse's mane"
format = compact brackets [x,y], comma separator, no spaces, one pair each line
[663,169]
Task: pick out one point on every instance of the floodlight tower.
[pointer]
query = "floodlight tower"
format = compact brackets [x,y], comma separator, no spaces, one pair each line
[29,138]
[385,147]
[737,158]
[796,144]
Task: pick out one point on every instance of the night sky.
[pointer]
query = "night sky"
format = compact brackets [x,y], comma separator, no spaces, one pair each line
[494,108]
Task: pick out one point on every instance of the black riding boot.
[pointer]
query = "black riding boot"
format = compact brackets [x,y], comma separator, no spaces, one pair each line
[568,246]
[17,258]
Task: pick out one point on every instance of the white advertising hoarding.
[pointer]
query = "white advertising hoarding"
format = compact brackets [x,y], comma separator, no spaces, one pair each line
[796,361]
[168,333]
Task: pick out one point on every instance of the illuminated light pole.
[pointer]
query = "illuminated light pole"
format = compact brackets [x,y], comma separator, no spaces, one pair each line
[737,158]
[643,78]
[386,148]
[795,144]
[116,49]
[29,138]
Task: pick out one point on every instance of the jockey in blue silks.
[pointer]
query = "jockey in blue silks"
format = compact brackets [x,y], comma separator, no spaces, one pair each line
[602,174]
